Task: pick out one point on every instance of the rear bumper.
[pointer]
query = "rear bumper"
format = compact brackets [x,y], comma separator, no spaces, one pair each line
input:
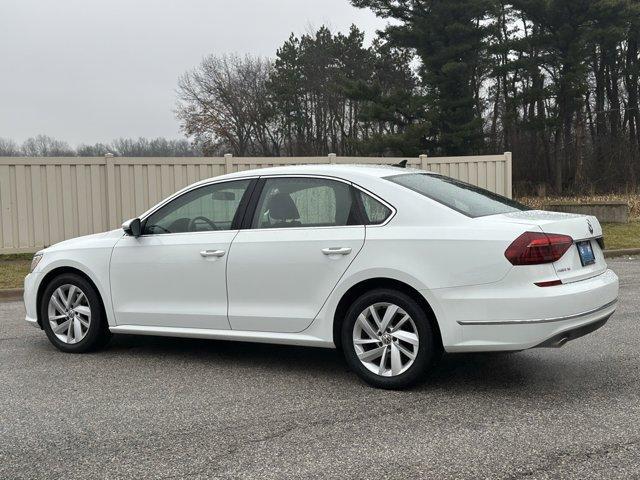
[560,339]
[512,316]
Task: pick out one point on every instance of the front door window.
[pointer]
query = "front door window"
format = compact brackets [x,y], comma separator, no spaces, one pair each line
[208,208]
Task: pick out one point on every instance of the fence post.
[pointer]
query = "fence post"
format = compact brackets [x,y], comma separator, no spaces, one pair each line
[228,162]
[508,187]
[111,190]
[332,158]
[424,163]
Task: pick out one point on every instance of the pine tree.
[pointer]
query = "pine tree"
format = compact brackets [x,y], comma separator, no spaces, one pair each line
[449,38]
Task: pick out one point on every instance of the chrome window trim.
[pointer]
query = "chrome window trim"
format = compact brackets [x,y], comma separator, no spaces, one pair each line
[166,235]
[206,183]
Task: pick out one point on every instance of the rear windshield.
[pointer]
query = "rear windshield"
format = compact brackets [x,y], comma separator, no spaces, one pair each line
[462,197]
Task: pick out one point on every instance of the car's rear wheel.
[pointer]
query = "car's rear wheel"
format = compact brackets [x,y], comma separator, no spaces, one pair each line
[72,314]
[388,339]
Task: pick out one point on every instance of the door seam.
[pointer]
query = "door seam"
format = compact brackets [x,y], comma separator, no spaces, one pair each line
[226,276]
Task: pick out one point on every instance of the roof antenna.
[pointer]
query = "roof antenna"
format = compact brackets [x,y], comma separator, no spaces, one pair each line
[402,164]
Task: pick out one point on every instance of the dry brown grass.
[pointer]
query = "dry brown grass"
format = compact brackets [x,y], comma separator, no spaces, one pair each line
[621,235]
[13,269]
[632,199]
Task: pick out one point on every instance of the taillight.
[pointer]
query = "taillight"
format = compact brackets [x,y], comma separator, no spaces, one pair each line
[534,248]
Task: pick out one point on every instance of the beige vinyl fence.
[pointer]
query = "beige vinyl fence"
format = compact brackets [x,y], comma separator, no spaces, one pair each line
[46,200]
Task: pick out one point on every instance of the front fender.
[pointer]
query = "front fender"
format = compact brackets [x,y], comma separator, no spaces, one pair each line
[93,263]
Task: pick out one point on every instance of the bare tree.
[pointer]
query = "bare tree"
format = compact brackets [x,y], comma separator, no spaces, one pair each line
[45,146]
[96,150]
[9,148]
[222,105]
[154,147]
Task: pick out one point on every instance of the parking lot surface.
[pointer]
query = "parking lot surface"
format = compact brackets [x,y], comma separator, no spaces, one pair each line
[170,408]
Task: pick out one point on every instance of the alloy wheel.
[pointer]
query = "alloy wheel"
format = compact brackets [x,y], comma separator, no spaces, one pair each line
[385,339]
[69,313]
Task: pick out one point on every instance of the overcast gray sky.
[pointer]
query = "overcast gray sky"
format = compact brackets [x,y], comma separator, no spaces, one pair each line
[89,71]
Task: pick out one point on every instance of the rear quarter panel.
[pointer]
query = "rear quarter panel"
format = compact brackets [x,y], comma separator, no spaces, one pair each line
[429,258]
[439,256]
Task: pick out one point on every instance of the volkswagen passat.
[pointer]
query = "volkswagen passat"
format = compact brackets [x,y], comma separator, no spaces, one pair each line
[391,265]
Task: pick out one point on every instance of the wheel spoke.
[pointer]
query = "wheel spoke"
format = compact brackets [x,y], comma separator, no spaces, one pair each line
[408,337]
[83,310]
[62,327]
[63,297]
[56,303]
[396,362]
[372,354]
[70,295]
[78,299]
[366,326]
[389,313]
[409,354]
[77,329]
[383,361]
[375,316]
[402,321]
[84,322]
[56,317]
[365,341]
[69,331]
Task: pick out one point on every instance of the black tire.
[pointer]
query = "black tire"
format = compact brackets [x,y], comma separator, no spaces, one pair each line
[429,350]
[97,335]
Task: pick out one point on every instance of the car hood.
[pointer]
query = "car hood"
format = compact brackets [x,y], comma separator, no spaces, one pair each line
[96,240]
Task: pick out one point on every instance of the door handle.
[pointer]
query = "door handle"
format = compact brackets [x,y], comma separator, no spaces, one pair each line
[337,251]
[212,253]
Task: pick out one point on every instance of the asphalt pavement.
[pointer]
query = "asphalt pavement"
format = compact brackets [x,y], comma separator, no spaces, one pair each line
[171,408]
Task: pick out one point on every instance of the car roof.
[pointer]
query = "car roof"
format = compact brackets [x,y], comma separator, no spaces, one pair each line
[346,171]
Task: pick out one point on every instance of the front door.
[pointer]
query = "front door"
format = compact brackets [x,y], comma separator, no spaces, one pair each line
[304,234]
[174,274]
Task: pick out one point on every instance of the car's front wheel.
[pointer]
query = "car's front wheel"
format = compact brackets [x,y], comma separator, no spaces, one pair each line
[72,315]
[388,340]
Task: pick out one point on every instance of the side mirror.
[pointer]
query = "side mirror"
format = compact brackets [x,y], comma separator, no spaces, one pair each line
[132,227]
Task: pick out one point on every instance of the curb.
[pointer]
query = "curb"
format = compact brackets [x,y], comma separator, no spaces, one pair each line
[621,252]
[11,294]
[14,294]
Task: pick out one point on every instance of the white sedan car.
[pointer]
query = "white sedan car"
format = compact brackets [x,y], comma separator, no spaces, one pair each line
[391,265]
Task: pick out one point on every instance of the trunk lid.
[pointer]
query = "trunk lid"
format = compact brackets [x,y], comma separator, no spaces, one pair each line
[582,228]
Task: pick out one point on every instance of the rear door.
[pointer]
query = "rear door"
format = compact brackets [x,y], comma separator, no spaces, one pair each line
[303,234]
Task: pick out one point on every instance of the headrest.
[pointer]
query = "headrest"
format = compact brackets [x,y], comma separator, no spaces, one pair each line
[281,207]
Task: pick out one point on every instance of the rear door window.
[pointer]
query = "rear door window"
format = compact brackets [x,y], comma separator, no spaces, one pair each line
[287,202]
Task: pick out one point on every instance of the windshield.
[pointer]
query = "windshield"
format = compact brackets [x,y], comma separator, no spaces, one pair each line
[464,198]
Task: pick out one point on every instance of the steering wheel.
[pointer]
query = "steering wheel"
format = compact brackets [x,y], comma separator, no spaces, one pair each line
[193,223]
